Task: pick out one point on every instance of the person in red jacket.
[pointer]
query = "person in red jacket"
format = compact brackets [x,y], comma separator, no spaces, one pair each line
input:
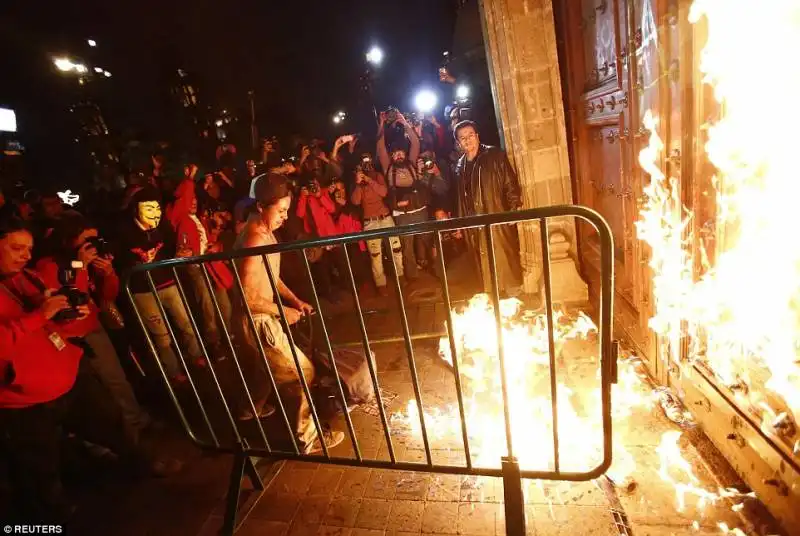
[43,383]
[192,241]
[77,239]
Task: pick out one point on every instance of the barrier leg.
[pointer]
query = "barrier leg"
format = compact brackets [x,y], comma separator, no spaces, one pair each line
[240,461]
[513,497]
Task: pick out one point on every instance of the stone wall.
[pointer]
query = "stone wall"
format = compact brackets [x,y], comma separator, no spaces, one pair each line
[523,63]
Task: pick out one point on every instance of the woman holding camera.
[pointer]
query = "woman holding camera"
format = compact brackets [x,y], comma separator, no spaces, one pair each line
[43,382]
[78,240]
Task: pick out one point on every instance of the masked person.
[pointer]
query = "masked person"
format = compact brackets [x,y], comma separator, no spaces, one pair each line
[142,240]
[273,197]
[487,184]
[193,241]
[370,193]
[408,195]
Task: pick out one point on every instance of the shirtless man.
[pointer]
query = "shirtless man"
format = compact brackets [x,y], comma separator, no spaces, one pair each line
[273,197]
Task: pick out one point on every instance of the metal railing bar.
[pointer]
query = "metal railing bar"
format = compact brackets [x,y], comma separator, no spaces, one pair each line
[178,350]
[428,335]
[499,326]
[224,329]
[203,348]
[154,350]
[263,353]
[370,364]
[606,325]
[452,224]
[288,333]
[410,353]
[332,358]
[453,352]
[551,343]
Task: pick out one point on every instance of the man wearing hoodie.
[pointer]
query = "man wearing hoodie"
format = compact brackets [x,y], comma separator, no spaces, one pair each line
[192,242]
[145,239]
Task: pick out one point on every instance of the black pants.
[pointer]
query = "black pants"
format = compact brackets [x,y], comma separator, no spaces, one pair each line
[31,440]
[330,271]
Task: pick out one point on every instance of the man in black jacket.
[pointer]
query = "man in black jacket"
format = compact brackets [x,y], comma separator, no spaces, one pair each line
[488,184]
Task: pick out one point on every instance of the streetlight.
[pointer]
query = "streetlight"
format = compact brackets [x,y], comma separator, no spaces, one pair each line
[462,92]
[425,101]
[81,68]
[92,42]
[375,56]
[106,74]
[98,70]
[337,119]
[63,64]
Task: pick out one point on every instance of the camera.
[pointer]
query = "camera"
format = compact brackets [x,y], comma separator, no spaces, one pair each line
[391,114]
[100,244]
[429,164]
[75,297]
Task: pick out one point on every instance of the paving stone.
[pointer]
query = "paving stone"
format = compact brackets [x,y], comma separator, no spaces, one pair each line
[563,520]
[373,514]
[313,509]
[444,488]
[342,512]
[277,506]
[406,515]
[382,484]
[301,529]
[354,482]
[294,480]
[440,517]
[261,527]
[477,518]
[367,532]
[327,530]
[326,480]
[413,486]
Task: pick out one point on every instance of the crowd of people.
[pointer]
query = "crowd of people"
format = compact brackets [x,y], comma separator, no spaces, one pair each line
[69,336]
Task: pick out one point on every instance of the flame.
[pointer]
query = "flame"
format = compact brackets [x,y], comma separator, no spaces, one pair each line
[741,315]
[527,368]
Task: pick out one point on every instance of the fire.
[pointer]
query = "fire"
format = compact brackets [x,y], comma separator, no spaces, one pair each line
[741,315]
[527,363]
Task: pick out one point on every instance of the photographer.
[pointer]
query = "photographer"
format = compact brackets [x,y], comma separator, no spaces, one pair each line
[435,173]
[78,240]
[370,193]
[44,384]
[408,195]
[314,163]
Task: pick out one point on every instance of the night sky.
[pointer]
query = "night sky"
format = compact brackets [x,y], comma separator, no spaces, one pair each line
[303,59]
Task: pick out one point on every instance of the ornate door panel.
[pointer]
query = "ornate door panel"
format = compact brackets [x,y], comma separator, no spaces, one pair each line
[614,76]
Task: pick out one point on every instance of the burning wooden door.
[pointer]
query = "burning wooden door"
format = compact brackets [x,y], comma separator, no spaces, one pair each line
[613,64]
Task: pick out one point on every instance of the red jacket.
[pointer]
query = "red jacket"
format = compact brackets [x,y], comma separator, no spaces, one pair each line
[107,290]
[37,370]
[184,225]
[317,214]
[349,224]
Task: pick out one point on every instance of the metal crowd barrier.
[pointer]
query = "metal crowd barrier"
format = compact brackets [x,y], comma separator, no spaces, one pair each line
[509,469]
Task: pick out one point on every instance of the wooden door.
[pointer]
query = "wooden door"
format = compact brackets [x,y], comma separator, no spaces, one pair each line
[613,67]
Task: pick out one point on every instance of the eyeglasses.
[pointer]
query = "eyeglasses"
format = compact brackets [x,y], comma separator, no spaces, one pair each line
[468,137]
